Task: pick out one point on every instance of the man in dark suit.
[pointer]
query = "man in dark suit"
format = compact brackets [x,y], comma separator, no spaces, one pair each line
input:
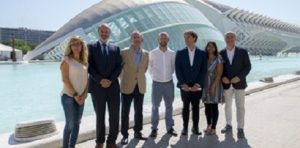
[190,68]
[236,67]
[105,65]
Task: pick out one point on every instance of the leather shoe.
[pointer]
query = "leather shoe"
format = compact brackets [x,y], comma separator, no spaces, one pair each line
[196,131]
[124,140]
[99,145]
[172,132]
[184,132]
[139,136]
[153,134]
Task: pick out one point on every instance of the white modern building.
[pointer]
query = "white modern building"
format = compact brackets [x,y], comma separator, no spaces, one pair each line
[256,33]
[5,53]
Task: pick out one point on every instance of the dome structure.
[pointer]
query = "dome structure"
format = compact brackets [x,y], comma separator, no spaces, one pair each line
[257,33]
[146,16]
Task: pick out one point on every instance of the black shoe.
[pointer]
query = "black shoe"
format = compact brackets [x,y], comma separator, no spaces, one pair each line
[124,140]
[99,145]
[240,133]
[226,129]
[172,132]
[196,131]
[153,134]
[184,132]
[139,136]
[111,145]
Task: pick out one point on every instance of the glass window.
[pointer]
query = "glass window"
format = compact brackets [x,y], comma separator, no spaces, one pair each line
[116,32]
[140,15]
[131,18]
[122,23]
[93,35]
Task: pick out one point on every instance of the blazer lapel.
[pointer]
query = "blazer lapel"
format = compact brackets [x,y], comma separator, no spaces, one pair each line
[235,55]
[132,58]
[196,58]
[143,58]
[225,56]
[110,51]
[98,47]
[187,57]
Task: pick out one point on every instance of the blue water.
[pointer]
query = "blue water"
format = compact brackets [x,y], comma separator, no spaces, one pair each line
[32,91]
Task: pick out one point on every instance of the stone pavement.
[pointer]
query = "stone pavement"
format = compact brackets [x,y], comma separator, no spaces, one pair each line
[272,121]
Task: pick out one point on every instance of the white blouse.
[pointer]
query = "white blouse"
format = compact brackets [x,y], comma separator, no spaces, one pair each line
[78,76]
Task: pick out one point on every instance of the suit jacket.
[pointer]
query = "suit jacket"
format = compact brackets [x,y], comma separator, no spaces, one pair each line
[131,75]
[187,74]
[240,67]
[103,66]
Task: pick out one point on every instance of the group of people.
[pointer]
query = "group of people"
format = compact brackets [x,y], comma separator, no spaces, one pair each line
[213,76]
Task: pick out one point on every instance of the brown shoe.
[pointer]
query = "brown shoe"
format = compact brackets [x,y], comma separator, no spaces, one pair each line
[99,146]
[211,132]
[111,146]
[208,129]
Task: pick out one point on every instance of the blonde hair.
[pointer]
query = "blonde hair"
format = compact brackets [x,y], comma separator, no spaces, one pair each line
[84,50]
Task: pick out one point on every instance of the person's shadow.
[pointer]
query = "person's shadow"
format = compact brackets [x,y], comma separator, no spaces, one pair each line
[194,141]
[211,141]
[229,141]
[162,143]
[183,142]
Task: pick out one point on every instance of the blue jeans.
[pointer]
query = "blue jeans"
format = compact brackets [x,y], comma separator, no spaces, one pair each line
[73,114]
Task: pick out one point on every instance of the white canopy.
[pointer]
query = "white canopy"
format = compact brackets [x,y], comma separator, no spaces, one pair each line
[5,52]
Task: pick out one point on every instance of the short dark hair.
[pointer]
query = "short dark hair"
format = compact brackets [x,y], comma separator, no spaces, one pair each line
[216,53]
[191,33]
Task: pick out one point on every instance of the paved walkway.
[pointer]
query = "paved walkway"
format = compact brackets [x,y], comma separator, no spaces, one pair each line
[272,120]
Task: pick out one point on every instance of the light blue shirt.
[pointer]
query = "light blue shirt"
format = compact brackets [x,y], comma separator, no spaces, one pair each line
[138,57]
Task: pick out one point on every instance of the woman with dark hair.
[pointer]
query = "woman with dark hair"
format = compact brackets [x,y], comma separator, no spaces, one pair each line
[212,91]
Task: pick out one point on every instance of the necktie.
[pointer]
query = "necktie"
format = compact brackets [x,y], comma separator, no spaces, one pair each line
[104,51]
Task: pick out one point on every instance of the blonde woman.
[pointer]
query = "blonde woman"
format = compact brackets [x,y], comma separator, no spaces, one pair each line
[75,81]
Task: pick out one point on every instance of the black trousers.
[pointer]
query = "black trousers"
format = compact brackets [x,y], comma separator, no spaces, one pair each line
[112,98]
[212,114]
[187,99]
[138,100]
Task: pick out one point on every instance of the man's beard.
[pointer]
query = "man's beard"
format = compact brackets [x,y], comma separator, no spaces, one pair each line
[163,44]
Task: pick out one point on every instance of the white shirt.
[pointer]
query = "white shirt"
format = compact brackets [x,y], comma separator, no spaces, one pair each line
[230,54]
[191,55]
[161,65]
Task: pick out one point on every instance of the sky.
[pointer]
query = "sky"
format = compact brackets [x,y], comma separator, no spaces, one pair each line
[53,14]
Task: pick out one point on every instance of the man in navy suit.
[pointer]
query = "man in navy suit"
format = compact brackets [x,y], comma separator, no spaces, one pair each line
[236,67]
[105,65]
[190,68]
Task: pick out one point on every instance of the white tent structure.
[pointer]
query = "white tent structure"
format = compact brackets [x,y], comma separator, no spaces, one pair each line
[5,52]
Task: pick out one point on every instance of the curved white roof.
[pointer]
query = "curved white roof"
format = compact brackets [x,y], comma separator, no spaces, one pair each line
[6,48]
[99,11]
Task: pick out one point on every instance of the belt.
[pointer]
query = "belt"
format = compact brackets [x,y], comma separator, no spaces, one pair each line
[171,81]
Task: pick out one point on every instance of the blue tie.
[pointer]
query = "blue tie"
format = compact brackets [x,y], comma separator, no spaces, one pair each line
[104,51]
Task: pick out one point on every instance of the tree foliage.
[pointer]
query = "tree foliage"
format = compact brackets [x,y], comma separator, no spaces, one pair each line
[22,45]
